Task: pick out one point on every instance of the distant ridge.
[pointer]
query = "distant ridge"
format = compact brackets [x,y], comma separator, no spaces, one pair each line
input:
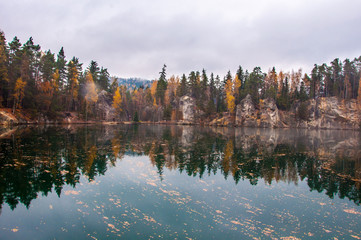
[133,83]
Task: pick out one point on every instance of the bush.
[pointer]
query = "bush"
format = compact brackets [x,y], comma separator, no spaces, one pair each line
[302,112]
[136,118]
[167,113]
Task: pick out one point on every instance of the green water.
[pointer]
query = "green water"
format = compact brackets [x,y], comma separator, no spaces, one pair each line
[173,182]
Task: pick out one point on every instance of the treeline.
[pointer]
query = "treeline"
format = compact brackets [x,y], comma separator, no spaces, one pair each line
[44,83]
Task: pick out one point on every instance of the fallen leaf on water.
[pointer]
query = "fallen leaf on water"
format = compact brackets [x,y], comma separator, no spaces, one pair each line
[236,222]
[352,211]
[71,192]
[152,183]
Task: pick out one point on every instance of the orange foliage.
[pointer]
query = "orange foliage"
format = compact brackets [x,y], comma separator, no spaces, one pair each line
[19,92]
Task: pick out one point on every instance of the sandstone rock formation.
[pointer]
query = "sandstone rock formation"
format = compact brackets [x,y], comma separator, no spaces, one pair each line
[269,114]
[246,113]
[104,107]
[330,113]
[187,107]
[323,113]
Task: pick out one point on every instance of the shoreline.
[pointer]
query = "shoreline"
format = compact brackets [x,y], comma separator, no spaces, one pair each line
[64,123]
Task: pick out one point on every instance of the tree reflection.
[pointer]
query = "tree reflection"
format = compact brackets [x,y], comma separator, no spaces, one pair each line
[41,160]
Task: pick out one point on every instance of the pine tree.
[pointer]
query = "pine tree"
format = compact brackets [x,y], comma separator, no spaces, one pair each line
[73,85]
[47,64]
[61,66]
[161,86]
[4,77]
[104,79]
[182,88]
[94,70]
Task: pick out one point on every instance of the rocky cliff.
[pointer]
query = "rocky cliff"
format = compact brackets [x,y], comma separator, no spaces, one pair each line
[330,113]
[323,113]
[187,107]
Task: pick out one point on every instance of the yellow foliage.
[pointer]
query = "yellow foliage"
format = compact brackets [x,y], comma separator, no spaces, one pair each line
[55,81]
[74,84]
[91,155]
[230,99]
[19,92]
[91,95]
[228,155]
[237,83]
[117,101]
[153,88]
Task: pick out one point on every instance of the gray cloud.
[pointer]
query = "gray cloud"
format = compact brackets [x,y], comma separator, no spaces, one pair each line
[135,38]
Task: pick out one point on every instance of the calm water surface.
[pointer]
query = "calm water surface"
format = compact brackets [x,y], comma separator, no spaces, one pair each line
[173,182]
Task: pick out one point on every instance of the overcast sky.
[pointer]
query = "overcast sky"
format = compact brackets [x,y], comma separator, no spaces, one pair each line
[135,38]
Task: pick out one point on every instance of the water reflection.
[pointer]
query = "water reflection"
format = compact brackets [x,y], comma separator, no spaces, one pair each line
[38,160]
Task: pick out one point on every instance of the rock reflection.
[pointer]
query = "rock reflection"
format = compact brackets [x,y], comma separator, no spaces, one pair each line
[38,160]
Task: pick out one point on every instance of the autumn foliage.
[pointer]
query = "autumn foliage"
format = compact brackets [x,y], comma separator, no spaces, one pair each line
[47,83]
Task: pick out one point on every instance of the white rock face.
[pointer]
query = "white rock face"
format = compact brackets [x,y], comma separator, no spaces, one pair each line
[246,113]
[187,106]
[269,114]
[333,113]
[104,107]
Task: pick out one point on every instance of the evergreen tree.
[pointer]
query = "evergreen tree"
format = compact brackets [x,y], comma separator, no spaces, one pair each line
[136,118]
[4,77]
[61,66]
[47,64]
[161,86]
[315,82]
[94,70]
[104,79]
[15,59]
[183,87]
[193,84]
[254,85]
[73,85]
[241,76]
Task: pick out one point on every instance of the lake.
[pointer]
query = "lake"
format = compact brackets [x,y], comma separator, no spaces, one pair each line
[179,182]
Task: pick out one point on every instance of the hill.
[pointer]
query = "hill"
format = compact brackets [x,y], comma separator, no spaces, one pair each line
[133,83]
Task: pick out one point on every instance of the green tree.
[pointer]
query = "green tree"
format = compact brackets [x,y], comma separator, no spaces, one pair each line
[72,85]
[61,66]
[4,77]
[47,66]
[315,81]
[136,118]
[94,70]
[183,87]
[255,82]
[104,77]
[161,86]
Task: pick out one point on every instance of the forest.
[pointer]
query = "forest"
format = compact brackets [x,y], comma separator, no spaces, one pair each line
[48,84]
